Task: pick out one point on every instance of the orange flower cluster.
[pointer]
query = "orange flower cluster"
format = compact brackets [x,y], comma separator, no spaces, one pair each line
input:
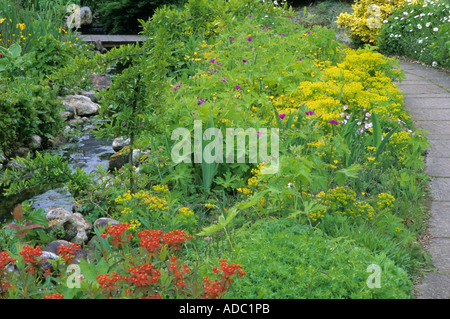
[151,239]
[54,296]
[143,275]
[4,286]
[176,238]
[116,232]
[215,289]
[107,282]
[5,259]
[212,289]
[68,252]
[29,253]
[180,282]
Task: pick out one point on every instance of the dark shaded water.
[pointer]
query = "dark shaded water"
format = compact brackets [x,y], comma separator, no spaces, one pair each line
[86,153]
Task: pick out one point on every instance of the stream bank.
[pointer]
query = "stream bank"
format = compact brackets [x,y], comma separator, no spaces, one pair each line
[81,150]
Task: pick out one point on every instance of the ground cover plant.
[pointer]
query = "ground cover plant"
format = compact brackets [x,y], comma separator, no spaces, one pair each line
[343,206]
[415,29]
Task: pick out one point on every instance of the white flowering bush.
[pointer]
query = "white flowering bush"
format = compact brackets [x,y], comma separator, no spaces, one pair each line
[418,31]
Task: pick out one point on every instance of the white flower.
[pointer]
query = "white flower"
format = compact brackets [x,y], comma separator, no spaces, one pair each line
[428,24]
[391,35]
[368,125]
[420,41]
[419,26]
[434,64]
[385,21]
[435,29]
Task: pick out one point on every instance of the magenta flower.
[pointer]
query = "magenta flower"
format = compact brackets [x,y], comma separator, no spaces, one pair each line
[333,122]
[219,63]
[251,16]
[176,87]
[249,39]
[310,113]
[281,34]
[282,116]
[244,60]
[258,134]
[237,87]
[224,80]
[308,32]
[200,102]
[231,39]
[300,59]
[212,60]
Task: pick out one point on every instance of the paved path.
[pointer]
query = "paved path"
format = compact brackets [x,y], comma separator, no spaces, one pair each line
[427,98]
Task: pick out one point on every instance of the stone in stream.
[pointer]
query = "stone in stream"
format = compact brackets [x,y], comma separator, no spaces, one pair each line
[119,159]
[119,143]
[51,252]
[80,104]
[75,227]
[104,222]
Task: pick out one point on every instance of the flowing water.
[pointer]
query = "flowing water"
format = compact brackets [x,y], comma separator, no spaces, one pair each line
[86,153]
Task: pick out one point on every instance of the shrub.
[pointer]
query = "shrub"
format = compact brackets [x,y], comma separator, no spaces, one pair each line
[418,31]
[27,109]
[364,22]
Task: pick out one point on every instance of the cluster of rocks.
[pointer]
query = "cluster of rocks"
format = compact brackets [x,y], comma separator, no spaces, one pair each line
[70,228]
[73,228]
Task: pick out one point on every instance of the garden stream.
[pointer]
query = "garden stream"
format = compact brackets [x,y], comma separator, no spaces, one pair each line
[86,152]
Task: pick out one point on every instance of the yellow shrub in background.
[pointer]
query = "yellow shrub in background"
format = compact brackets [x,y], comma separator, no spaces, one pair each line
[365,21]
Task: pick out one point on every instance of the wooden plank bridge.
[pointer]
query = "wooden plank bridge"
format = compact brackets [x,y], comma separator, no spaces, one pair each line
[110,41]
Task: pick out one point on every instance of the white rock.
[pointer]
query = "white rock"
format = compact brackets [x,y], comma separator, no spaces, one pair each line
[81,105]
[119,143]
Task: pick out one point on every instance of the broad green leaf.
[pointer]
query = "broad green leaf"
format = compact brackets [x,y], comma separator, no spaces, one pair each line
[15,50]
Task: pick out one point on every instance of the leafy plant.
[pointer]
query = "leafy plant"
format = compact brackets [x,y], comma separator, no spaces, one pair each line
[21,227]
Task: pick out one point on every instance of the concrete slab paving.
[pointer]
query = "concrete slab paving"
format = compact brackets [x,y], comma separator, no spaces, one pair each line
[427,98]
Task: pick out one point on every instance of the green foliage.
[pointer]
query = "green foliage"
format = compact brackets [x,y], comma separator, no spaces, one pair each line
[286,260]
[24,22]
[121,16]
[26,109]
